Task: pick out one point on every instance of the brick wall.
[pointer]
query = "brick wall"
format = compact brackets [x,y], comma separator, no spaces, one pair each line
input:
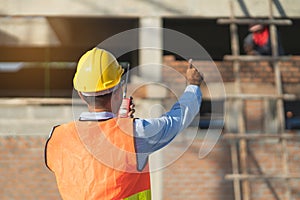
[204,179]
[250,72]
[266,158]
[256,78]
[24,175]
[192,178]
[22,169]
[24,129]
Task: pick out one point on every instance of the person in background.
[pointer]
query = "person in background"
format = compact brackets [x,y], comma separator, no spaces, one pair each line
[258,41]
[103,156]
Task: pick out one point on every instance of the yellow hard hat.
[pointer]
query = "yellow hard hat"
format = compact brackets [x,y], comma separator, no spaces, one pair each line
[97,70]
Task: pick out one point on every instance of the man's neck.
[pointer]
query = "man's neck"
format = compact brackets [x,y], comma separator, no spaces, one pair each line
[93,109]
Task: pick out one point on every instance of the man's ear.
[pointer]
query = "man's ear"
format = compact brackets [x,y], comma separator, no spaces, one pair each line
[116,100]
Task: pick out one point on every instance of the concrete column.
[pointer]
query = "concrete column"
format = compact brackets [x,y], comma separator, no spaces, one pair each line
[150,60]
[150,48]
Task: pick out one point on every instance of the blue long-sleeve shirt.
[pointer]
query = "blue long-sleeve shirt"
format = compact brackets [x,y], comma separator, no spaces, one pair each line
[155,133]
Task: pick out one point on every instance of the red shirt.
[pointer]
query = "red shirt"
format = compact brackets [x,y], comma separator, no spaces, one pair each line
[261,38]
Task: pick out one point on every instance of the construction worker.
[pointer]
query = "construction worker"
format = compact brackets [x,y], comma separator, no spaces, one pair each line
[258,41]
[103,156]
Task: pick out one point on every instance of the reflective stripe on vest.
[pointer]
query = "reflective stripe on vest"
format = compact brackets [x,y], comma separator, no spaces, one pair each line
[97,160]
[144,195]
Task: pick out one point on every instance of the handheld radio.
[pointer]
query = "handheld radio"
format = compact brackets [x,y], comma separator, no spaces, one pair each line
[126,102]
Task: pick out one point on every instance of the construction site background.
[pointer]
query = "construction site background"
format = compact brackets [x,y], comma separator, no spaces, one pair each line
[47,38]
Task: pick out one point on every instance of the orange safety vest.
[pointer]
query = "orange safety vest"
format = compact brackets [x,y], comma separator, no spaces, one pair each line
[97,160]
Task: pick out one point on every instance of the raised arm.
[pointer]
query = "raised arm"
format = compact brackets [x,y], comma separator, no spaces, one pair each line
[153,134]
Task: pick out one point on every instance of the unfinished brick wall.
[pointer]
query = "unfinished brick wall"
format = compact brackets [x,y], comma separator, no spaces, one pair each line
[266,158]
[250,72]
[24,175]
[256,78]
[23,172]
[192,178]
[206,177]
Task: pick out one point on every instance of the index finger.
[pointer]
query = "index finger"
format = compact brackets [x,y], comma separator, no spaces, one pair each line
[190,64]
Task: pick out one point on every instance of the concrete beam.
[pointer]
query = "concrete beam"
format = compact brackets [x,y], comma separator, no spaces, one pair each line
[190,8]
[23,31]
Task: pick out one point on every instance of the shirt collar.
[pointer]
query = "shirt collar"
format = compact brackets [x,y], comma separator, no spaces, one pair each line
[96,116]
